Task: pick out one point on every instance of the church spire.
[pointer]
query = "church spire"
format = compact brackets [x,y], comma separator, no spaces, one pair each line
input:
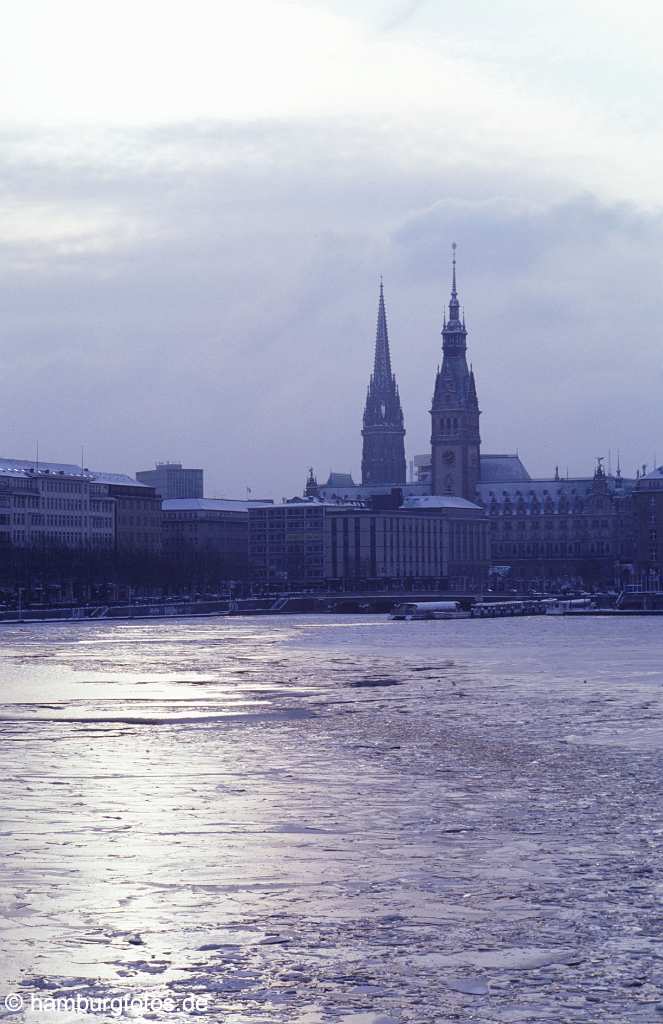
[383,453]
[382,362]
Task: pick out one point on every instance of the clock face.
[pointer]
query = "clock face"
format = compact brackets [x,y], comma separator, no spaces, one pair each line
[449,457]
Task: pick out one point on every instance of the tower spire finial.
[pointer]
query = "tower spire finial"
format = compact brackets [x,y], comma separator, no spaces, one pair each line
[454,305]
[453,264]
[382,363]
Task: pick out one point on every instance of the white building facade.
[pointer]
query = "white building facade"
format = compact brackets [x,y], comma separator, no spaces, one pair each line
[57,505]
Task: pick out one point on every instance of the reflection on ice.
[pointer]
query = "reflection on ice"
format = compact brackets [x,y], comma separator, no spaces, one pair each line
[331,820]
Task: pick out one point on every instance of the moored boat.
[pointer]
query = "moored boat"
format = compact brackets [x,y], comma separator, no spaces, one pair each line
[430,610]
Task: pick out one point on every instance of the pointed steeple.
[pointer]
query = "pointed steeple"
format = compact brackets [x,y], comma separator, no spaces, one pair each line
[383,454]
[382,362]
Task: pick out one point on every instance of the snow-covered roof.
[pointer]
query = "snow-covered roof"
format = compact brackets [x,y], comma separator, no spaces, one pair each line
[122,479]
[211,504]
[30,467]
[571,487]
[440,501]
[299,503]
[652,481]
[358,492]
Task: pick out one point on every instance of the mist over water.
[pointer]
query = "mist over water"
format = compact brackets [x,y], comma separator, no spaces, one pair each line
[336,818]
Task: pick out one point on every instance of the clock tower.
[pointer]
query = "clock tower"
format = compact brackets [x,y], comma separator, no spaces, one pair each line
[455,440]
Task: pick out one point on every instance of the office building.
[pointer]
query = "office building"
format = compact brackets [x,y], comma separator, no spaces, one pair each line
[171,480]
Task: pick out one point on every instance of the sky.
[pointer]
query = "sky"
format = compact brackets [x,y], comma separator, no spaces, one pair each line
[197,200]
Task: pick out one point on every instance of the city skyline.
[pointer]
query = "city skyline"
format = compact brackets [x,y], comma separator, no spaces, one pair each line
[190,268]
[612,456]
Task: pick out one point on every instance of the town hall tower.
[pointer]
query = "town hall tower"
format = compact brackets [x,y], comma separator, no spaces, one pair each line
[455,440]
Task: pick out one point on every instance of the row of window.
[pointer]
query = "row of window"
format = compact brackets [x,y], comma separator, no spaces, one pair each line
[547,509]
[280,513]
[37,519]
[68,486]
[580,525]
[66,504]
[24,501]
[526,550]
[153,504]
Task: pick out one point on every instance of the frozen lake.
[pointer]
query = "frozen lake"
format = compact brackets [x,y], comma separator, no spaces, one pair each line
[350,819]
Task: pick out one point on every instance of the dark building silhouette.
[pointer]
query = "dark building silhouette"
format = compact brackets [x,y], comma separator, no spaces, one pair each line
[137,515]
[383,452]
[305,541]
[648,503]
[580,527]
[217,528]
[455,440]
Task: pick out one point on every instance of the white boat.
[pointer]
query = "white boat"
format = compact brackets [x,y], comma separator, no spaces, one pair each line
[429,610]
[566,606]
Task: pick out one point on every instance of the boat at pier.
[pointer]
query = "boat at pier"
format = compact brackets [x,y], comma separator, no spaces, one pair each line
[479,610]
[500,609]
[430,610]
[569,606]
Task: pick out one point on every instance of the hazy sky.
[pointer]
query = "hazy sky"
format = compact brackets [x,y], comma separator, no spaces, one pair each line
[197,199]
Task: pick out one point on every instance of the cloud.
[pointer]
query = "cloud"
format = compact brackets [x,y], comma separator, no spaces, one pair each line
[207,292]
[562,303]
[482,85]
[196,202]
[401,14]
